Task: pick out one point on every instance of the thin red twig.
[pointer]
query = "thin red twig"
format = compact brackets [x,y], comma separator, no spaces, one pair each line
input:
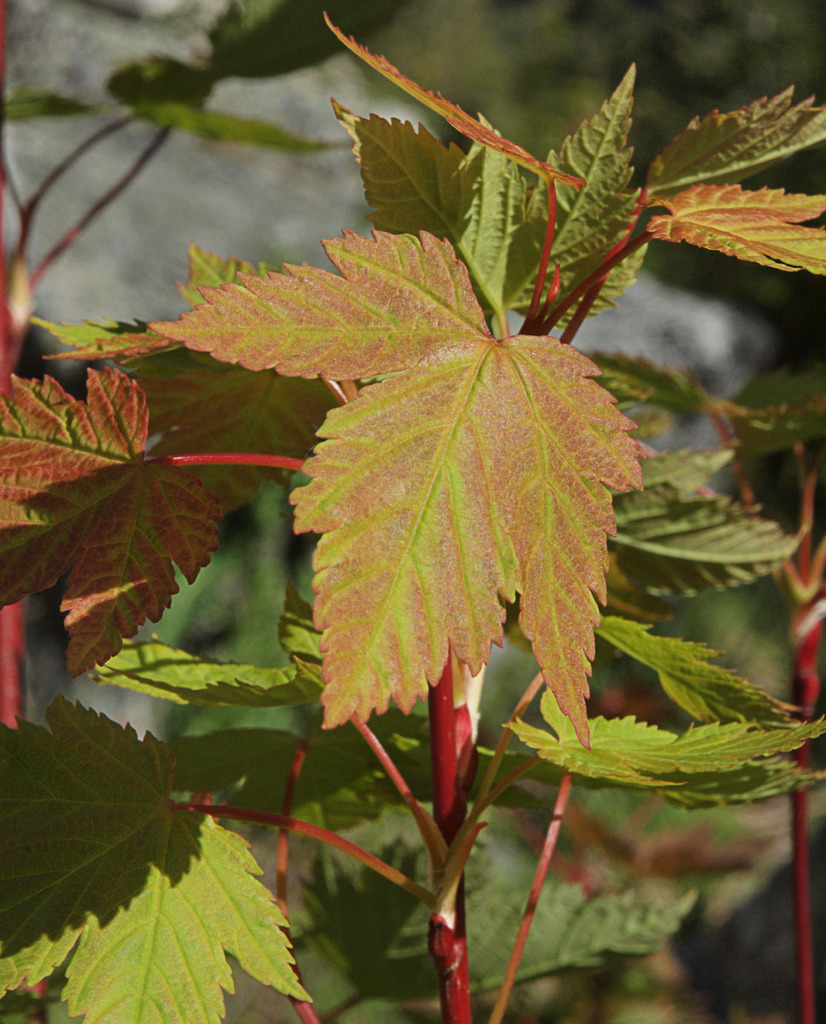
[11,616]
[542,271]
[533,900]
[97,207]
[230,459]
[805,691]
[29,208]
[583,288]
[282,855]
[314,832]
[428,829]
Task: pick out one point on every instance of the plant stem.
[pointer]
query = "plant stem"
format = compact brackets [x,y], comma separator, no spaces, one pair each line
[528,327]
[230,459]
[314,832]
[97,207]
[805,690]
[11,616]
[283,843]
[533,900]
[429,831]
[447,941]
[584,287]
[590,297]
[29,209]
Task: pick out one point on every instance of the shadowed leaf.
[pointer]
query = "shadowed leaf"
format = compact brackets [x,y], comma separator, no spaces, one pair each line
[76,493]
[26,103]
[673,543]
[91,848]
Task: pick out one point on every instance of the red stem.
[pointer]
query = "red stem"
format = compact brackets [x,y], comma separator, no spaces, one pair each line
[283,844]
[447,941]
[533,900]
[29,209]
[305,828]
[304,1009]
[230,459]
[590,297]
[11,616]
[805,691]
[602,271]
[542,272]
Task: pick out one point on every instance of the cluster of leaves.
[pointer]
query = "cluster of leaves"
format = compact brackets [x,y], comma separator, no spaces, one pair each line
[464,466]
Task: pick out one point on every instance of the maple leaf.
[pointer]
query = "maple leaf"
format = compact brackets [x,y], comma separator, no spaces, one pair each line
[471,127]
[708,692]
[626,752]
[480,471]
[92,849]
[76,493]
[729,147]
[760,227]
[107,340]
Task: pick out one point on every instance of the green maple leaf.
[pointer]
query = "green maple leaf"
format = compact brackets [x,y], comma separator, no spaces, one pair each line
[725,148]
[208,270]
[626,752]
[76,493]
[479,471]
[106,340]
[92,849]
[475,200]
[595,219]
[759,227]
[677,543]
[161,671]
[707,692]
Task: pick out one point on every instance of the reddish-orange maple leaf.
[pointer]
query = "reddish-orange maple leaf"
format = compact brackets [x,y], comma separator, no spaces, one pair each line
[761,227]
[481,470]
[471,127]
[75,491]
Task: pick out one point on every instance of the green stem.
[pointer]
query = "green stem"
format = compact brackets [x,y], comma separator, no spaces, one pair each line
[533,900]
[504,740]
[314,832]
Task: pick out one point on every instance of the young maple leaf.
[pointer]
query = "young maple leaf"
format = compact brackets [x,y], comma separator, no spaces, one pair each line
[481,470]
[760,227]
[471,127]
[75,492]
